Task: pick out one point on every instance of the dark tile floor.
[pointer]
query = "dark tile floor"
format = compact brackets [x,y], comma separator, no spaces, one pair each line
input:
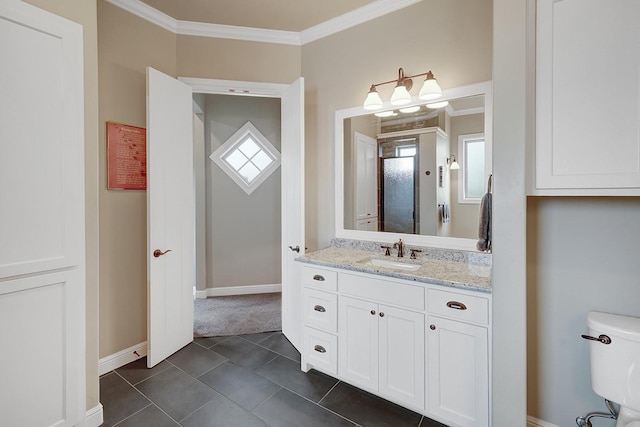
[241,381]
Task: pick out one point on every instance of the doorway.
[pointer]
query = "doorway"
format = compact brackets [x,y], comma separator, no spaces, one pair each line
[239,227]
[291,97]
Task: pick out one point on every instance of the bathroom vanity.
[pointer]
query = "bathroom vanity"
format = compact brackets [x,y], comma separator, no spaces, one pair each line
[415,332]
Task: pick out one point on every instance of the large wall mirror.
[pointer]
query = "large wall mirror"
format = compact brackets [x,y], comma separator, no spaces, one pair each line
[418,173]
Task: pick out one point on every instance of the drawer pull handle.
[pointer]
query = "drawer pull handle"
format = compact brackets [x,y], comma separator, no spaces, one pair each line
[381,314]
[373,312]
[320,349]
[318,277]
[319,308]
[456,305]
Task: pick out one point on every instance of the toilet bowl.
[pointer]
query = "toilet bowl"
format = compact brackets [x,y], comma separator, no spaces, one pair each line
[614,350]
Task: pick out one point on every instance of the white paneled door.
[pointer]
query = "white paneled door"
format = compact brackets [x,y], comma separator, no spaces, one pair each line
[42,265]
[170,216]
[292,163]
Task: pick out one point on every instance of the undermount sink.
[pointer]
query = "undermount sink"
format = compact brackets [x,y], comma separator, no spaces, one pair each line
[388,263]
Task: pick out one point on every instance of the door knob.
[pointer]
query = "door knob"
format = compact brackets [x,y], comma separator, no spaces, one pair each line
[158,253]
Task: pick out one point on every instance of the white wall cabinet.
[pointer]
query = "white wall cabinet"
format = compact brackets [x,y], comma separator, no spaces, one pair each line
[422,346]
[587,102]
[370,224]
[366,169]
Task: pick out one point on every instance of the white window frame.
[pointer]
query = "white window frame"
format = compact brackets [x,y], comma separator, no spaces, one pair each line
[401,148]
[463,140]
[248,130]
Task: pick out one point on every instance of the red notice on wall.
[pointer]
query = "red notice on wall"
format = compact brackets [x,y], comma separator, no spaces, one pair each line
[126,157]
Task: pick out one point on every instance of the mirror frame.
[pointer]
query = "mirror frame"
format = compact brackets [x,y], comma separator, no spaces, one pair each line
[483,88]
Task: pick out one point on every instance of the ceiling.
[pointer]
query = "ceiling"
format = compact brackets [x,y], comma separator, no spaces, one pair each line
[284,15]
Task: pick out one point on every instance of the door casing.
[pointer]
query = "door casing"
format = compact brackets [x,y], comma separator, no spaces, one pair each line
[292,186]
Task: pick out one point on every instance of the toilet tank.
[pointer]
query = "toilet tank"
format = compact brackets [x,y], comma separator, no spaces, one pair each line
[615,367]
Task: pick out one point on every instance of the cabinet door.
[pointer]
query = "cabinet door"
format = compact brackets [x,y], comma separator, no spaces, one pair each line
[366,177]
[358,342]
[370,224]
[458,372]
[587,104]
[401,360]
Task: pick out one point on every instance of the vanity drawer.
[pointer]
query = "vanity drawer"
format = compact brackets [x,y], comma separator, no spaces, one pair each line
[385,291]
[321,350]
[460,306]
[320,278]
[320,309]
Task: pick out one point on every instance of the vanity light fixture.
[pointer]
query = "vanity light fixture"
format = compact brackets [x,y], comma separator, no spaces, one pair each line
[436,105]
[407,110]
[451,162]
[387,113]
[430,90]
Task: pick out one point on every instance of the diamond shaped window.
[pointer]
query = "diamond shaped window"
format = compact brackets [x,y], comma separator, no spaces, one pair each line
[247,157]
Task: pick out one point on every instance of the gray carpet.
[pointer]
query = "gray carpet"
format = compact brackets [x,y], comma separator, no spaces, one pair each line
[237,314]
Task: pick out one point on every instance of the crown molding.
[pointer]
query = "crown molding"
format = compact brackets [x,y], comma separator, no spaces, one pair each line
[350,19]
[203,29]
[355,17]
[148,13]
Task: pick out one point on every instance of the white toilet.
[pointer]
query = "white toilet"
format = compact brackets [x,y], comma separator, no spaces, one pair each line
[615,362]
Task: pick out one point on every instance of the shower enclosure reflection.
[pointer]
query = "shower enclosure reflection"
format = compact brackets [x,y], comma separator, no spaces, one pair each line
[398,194]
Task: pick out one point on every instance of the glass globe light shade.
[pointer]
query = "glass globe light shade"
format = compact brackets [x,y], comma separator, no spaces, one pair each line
[373,100]
[430,89]
[401,96]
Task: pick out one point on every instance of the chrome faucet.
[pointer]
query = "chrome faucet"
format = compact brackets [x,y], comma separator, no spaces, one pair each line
[400,245]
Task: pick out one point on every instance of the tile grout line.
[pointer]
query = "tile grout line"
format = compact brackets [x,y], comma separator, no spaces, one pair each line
[330,390]
[137,412]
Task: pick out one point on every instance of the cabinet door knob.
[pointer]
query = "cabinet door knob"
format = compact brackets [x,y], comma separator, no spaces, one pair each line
[318,277]
[319,308]
[432,327]
[320,349]
[381,314]
[456,305]
[373,312]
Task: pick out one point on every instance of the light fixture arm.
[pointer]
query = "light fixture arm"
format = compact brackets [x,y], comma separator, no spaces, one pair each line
[404,80]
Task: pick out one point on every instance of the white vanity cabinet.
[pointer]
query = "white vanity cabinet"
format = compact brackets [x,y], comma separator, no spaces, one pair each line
[381,349]
[423,346]
[587,106]
[458,357]
[320,317]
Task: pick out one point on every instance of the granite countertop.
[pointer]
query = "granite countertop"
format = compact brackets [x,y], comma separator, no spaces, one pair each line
[457,274]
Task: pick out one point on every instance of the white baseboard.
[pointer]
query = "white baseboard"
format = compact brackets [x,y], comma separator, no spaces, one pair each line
[121,358]
[239,290]
[94,416]
[534,422]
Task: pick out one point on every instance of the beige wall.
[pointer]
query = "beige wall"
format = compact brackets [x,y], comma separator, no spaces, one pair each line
[452,38]
[127,44]
[237,60]
[84,13]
